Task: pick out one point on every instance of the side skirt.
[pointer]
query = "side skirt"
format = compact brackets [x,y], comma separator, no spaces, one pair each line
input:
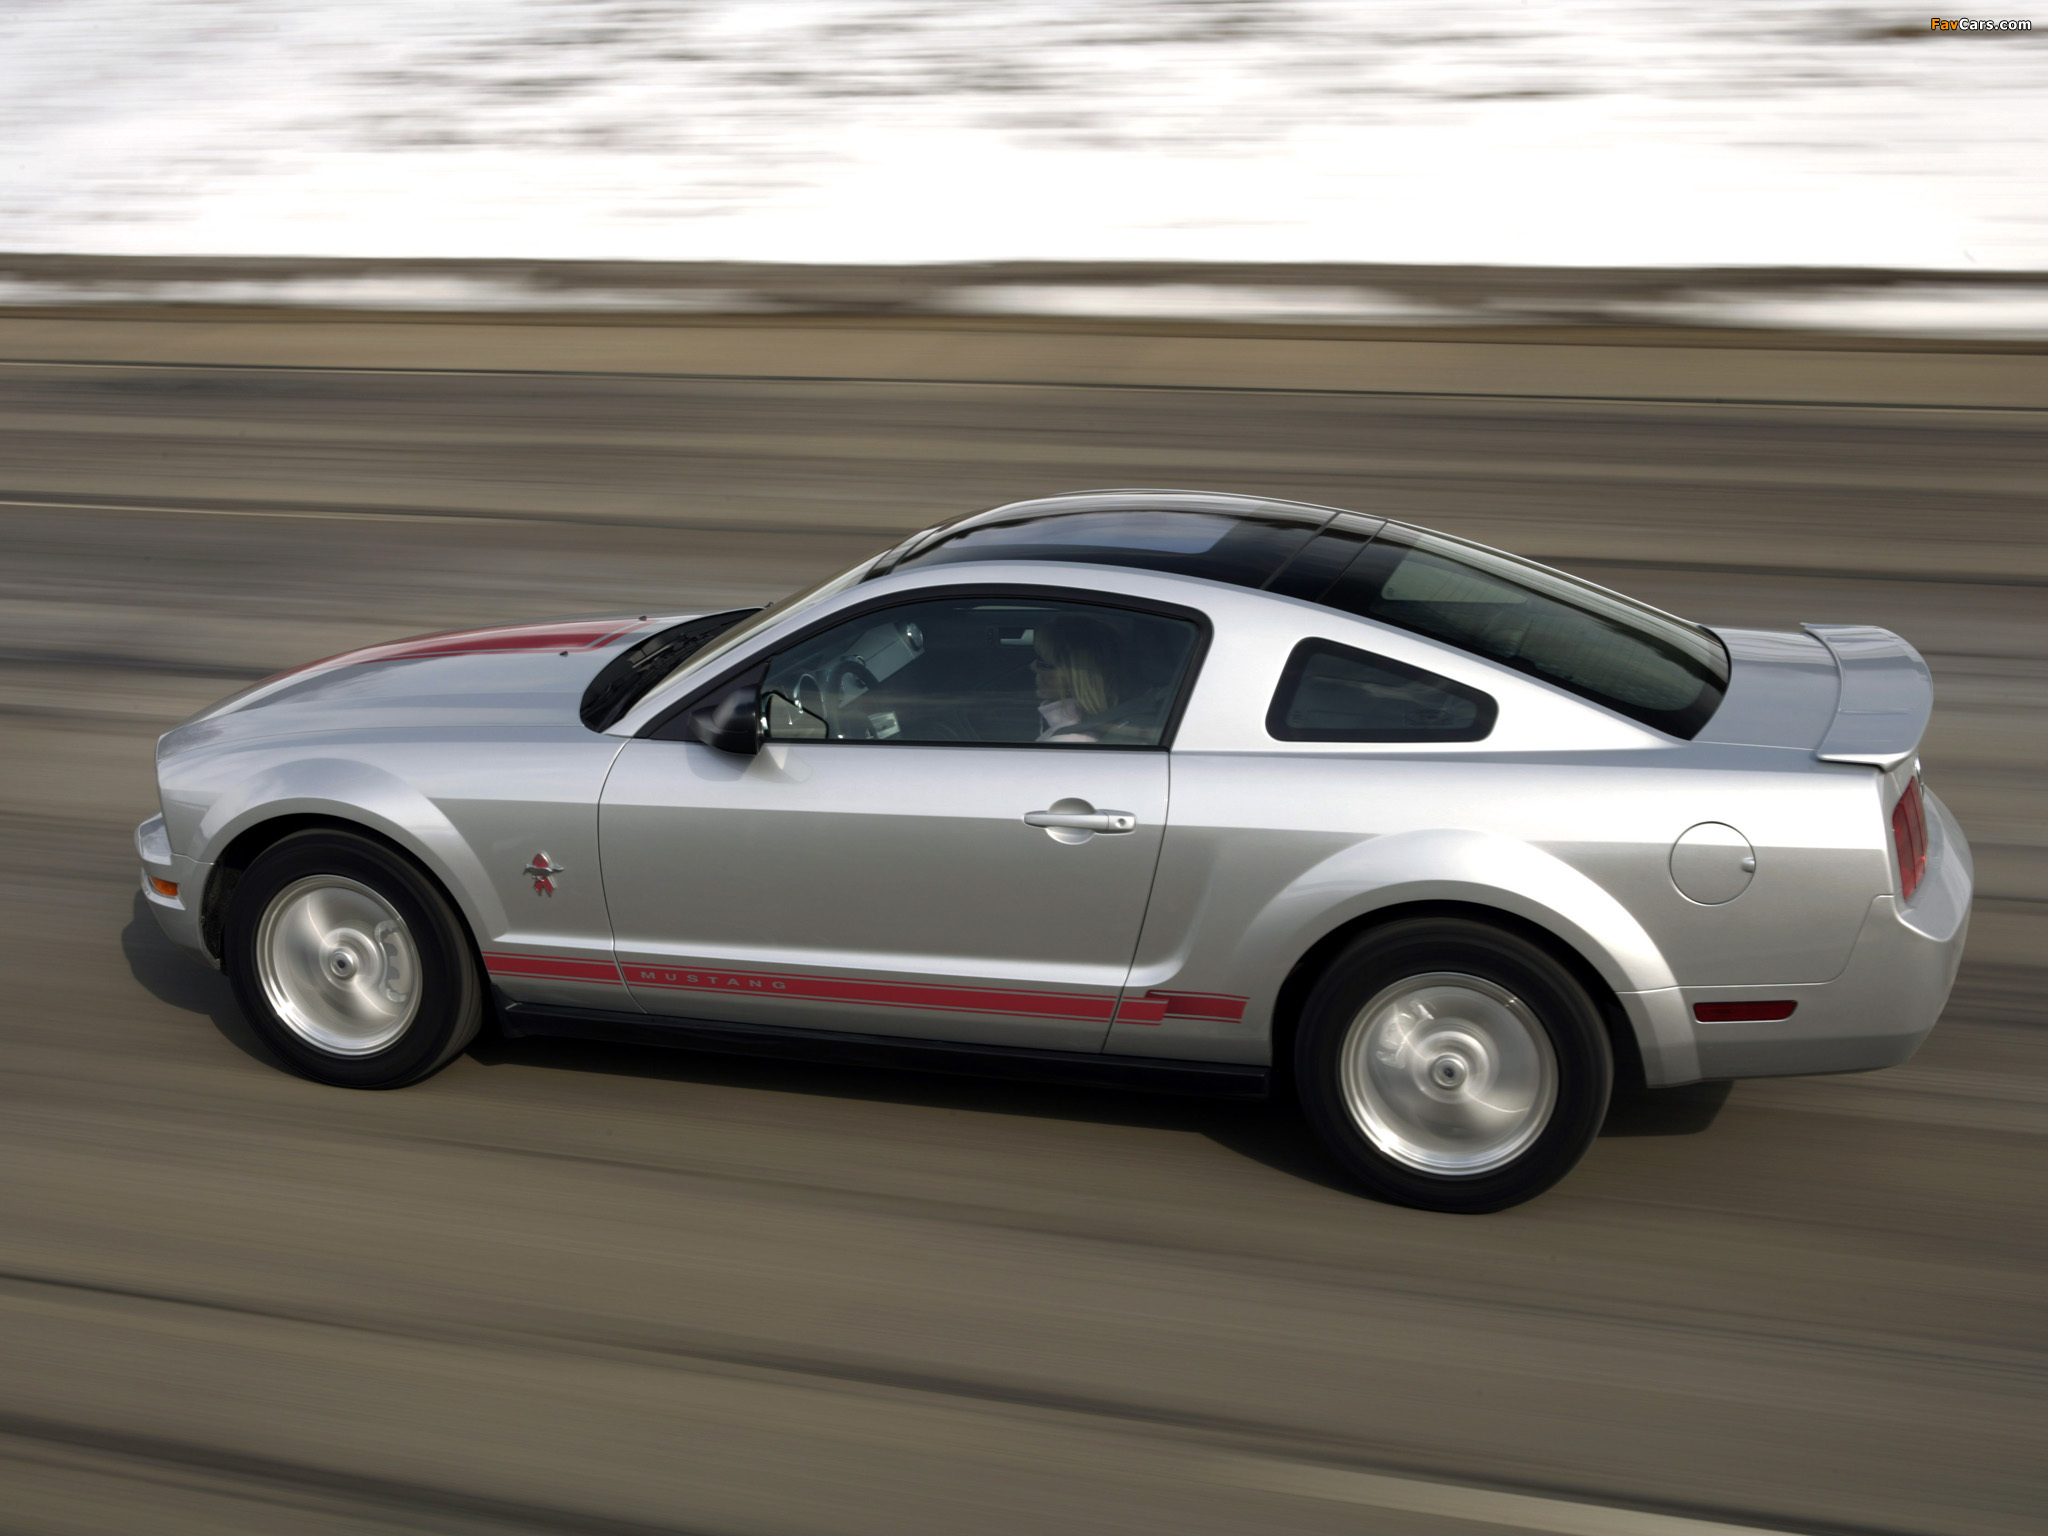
[1220,1079]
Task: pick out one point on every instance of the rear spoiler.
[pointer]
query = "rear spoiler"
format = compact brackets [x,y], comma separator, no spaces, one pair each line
[1886,700]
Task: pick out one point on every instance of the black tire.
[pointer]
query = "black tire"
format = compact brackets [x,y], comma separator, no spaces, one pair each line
[1377,1097]
[434,991]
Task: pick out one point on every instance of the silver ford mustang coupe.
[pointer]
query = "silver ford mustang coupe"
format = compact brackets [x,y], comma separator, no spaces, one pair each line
[1157,788]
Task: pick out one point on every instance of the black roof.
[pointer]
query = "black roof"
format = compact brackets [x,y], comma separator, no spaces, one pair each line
[1244,540]
[1621,654]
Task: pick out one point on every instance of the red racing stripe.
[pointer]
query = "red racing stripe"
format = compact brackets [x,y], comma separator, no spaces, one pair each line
[587,636]
[1153,1008]
[553,968]
[883,994]
[1141,1010]
[1217,1006]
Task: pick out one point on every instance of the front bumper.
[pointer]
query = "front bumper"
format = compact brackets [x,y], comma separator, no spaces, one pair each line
[1888,997]
[177,915]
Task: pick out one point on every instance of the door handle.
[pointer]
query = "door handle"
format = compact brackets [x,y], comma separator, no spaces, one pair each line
[1083,821]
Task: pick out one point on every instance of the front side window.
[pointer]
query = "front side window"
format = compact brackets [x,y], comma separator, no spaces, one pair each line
[1330,692]
[985,671]
[1625,655]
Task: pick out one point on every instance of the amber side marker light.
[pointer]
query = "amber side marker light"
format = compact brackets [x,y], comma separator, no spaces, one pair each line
[163,887]
[1742,1013]
[1909,838]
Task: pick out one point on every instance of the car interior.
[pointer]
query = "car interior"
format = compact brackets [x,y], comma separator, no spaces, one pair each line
[968,670]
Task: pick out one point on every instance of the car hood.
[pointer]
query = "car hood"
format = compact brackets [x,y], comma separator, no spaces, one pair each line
[510,675]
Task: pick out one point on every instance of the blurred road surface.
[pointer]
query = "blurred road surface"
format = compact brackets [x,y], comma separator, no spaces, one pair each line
[567,1289]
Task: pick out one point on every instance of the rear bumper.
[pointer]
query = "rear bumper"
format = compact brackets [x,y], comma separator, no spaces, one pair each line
[1887,999]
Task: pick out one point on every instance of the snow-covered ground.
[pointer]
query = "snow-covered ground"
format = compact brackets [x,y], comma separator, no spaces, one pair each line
[1639,134]
[1940,305]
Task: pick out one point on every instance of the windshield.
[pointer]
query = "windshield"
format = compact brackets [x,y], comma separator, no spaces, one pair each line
[1626,655]
[775,612]
[629,675]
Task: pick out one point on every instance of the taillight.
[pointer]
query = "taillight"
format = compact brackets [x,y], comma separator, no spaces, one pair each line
[1909,839]
[1743,1013]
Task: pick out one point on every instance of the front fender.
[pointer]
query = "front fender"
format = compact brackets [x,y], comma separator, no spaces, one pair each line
[348,790]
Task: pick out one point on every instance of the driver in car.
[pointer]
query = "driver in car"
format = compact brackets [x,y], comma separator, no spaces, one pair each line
[1076,670]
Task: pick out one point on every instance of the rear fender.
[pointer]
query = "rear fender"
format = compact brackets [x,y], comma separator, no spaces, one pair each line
[1485,869]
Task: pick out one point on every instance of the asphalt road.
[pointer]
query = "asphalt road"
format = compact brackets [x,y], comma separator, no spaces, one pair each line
[579,1289]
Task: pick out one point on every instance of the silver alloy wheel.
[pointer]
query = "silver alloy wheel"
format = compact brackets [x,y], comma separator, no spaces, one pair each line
[339,965]
[1448,1074]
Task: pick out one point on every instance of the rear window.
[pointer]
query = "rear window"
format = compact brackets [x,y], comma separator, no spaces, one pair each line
[1247,551]
[1639,662]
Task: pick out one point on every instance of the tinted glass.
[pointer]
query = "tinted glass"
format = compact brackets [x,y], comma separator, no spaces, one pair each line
[628,677]
[1641,663]
[1319,562]
[776,612]
[984,671]
[1330,692]
[1245,551]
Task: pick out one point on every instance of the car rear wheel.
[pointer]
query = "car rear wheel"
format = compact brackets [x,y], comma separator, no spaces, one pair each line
[1451,1065]
[350,963]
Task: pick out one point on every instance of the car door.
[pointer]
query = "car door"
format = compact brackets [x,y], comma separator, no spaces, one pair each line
[1272,783]
[950,831]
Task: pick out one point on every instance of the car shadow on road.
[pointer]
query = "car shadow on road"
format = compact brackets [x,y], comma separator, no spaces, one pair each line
[1683,1111]
[174,977]
[1270,1133]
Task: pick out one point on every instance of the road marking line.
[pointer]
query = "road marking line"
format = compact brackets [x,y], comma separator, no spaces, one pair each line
[376,517]
[942,381]
[532,519]
[1520,1511]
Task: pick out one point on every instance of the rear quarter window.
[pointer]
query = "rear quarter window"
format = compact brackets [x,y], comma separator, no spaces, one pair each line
[1330,692]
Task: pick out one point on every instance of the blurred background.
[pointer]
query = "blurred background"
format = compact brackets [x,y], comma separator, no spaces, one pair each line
[321,324]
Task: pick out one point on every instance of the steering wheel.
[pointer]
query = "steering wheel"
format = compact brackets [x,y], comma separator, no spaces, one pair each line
[809,696]
[836,677]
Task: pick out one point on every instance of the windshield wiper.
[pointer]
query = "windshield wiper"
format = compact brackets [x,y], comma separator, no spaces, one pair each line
[627,676]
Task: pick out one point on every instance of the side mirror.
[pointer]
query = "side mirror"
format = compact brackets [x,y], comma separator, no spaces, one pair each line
[730,720]
[784,719]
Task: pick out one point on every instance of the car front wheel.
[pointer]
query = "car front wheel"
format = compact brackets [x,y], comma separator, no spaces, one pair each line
[1451,1065]
[349,963]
